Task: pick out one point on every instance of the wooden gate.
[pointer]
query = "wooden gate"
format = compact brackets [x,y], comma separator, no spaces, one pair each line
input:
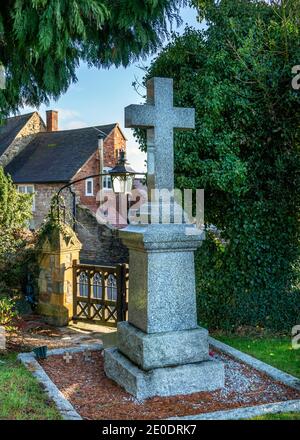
[100,293]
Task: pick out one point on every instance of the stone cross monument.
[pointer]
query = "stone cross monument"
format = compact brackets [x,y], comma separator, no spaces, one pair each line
[161,351]
[159,117]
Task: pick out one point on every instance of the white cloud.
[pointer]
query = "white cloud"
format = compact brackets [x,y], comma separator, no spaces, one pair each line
[71,125]
[134,155]
[67,114]
[69,119]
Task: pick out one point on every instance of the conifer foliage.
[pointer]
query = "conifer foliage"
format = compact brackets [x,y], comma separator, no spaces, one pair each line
[42,42]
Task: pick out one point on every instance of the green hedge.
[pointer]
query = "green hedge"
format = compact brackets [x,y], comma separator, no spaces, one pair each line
[245,153]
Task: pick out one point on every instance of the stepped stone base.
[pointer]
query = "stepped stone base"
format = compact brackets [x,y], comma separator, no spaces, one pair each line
[164,349]
[169,381]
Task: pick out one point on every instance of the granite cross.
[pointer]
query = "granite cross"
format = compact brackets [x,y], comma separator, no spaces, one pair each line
[161,350]
[160,117]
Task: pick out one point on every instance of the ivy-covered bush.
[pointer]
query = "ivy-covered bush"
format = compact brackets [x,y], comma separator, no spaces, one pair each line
[244,152]
[17,255]
[7,310]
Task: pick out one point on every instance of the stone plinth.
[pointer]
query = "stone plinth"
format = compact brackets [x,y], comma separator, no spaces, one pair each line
[161,350]
[169,381]
[162,277]
[157,350]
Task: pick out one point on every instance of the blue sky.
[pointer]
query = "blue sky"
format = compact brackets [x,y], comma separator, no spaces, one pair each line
[99,97]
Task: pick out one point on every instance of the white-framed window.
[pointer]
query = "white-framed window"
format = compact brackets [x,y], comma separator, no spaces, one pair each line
[106,180]
[89,187]
[28,189]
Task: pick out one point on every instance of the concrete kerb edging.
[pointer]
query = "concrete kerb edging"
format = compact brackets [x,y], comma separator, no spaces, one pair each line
[257,410]
[65,408]
[69,413]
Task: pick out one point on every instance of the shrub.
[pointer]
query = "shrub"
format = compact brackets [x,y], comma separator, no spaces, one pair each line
[7,310]
[244,152]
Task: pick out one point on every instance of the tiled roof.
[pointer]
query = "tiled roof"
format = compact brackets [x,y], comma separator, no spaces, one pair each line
[56,156]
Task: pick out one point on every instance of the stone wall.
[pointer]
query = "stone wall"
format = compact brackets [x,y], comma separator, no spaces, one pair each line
[58,253]
[33,126]
[100,243]
[43,196]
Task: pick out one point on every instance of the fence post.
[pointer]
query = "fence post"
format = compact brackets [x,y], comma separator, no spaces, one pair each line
[74,288]
[121,296]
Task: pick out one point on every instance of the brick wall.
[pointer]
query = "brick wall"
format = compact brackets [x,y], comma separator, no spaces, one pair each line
[112,144]
[92,166]
[33,126]
[100,243]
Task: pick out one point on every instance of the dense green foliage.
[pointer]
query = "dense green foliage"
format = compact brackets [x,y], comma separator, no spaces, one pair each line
[15,251]
[43,41]
[245,154]
[7,310]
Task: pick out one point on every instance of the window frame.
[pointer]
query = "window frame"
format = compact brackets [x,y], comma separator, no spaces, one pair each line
[26,186]
[106,179]
[91,193]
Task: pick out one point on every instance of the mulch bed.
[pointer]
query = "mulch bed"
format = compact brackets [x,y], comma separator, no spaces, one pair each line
[95,397]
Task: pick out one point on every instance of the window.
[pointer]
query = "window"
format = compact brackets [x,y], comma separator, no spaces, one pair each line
[89,187]
[112,291]
[28,189]
[106,180]
[83,285]
[97,286]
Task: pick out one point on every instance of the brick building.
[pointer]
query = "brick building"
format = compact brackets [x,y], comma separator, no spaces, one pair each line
[41,159]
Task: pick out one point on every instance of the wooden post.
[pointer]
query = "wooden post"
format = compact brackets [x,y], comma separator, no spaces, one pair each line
[74,288]
[121,289]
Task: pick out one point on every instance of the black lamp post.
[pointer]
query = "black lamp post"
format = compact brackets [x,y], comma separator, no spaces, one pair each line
[122,176]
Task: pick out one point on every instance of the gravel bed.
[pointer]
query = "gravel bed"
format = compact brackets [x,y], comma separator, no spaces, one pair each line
[82,381]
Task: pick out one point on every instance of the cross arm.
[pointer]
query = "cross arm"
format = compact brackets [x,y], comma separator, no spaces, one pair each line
[184,118]
[139,116]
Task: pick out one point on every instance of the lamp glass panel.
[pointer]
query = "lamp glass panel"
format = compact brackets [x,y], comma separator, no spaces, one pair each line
[129,183]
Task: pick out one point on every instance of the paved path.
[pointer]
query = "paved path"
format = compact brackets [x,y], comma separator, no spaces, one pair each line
[34,335]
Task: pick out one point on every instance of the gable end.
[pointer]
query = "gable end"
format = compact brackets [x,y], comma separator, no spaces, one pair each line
[24,136]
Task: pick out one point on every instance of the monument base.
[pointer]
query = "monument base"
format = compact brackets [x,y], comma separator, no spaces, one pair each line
[169,381]
[165,349]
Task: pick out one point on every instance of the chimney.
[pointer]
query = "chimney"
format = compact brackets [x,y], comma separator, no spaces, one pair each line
[52,120]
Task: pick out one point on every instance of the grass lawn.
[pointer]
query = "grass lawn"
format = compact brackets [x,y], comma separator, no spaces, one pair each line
[21,397]
[276,351]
